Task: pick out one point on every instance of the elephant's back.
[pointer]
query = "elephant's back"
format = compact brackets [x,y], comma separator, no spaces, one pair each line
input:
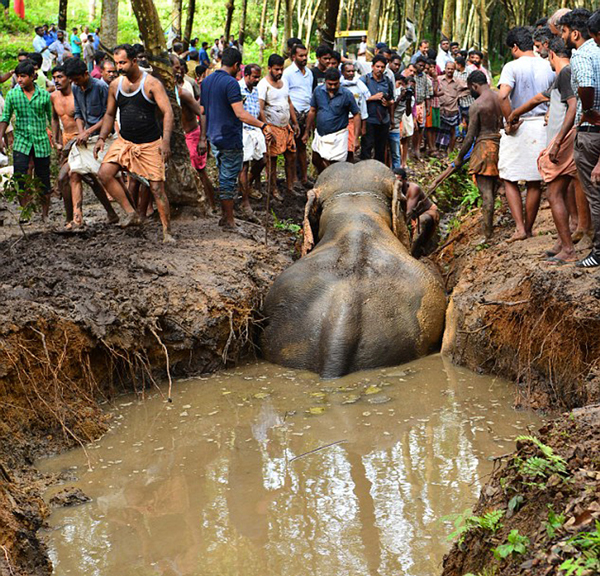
[334,318]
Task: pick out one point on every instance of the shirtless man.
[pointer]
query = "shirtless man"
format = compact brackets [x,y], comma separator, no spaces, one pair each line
[190,111]
[421,212]
[64,132]
[483,136]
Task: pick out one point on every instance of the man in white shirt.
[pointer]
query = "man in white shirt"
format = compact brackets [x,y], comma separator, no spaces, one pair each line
[277,111]
[361,94]
[300,82]
[39,45]
[443,56]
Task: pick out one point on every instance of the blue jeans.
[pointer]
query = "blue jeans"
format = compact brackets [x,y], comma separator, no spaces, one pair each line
[230,163]
[394,139]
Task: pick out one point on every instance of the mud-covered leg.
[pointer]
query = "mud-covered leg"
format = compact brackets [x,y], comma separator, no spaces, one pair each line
[164,210]
[487,186]
[426,230]
[308,241]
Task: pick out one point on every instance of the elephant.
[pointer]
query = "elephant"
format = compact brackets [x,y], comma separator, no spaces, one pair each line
[358,300]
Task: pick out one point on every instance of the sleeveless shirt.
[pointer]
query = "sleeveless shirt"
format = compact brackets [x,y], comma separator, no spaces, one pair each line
[138,115]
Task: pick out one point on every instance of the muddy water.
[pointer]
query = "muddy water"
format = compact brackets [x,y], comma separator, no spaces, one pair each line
[265,471]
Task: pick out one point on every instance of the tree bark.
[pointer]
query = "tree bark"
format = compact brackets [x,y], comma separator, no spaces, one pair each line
[176,9]
[230,7]
[242,34]
[110,22]
[447,18]
[274,27]
[373,28]
[311,18]
[288,19]
[62,14]
[331,15]
[91,10]
[189,23]
[183,185]
[261,30]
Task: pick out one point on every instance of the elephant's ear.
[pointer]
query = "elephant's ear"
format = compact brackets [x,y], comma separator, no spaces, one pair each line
[398,217]
[310,216]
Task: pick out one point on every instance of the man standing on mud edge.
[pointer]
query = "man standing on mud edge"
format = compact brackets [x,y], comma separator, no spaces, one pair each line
[224,113]
[139,147]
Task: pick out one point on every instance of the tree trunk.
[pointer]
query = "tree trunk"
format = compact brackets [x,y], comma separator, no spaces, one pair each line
[447,18]
[242,34]
[183,185]
[189,24]
[176,9]
[485,30]
[110,22]
[91,10]
[288,19]
[331,14]
[274,28]
[62,14]
[373,22]
[459,23]
[311,18]
[230,7]
[261,31]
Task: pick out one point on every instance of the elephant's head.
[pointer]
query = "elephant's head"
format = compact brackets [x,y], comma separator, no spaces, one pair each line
[368,177]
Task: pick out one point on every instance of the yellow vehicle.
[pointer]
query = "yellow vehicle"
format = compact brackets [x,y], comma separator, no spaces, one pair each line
[347,41]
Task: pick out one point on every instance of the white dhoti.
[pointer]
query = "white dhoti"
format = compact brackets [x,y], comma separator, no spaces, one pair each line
[332,147]
[254,143]
[519,152]
[81,156]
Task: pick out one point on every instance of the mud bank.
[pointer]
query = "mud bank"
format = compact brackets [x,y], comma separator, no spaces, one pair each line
[86,316]
[514,315]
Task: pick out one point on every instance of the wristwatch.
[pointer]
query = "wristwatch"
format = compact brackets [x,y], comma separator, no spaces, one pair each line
[263,126]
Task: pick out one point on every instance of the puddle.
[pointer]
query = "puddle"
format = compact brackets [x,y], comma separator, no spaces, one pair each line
[266,471]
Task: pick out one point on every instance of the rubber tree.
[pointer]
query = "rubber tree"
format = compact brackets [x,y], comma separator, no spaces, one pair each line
[230,7]
[110,22]
[189,23]
[287,22]
[183,184]
[243,14]
[176,9]
[332,7]
[373,29]
[62,14]
[91,10]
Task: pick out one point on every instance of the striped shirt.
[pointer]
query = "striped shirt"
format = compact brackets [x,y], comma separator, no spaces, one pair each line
[31,120]
[250,102]
[464,101]
[585,73]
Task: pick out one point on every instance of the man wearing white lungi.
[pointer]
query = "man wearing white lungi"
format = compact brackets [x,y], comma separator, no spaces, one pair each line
[522,143]
[330,106]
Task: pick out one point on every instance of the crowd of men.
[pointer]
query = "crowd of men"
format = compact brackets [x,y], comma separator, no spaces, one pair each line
[112,120]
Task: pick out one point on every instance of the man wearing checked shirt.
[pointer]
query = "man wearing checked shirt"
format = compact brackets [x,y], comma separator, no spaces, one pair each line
[585,78]
[33,113]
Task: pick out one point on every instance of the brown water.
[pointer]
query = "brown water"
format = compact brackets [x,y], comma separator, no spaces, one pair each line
[220,483]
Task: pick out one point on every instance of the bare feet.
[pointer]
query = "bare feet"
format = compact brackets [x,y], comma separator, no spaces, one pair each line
[168,239]
[113,218]
[255,194]
[277,196]
[518,236]
[132,219]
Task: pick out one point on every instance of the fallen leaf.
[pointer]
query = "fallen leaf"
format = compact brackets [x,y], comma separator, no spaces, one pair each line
[372,390]
[316,410]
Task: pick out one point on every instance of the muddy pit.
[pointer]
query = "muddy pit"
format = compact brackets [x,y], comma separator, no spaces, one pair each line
[230,477]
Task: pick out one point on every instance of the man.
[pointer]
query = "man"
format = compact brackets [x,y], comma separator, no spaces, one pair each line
[466,100]
[88,49]
[99,57]
[96,41]
[585,79]
[335,59]
[443,56]
[594,27]
[41,47]
[421,212]
[476,63]
[60,48]
[300,82]
[223,114]
[75,44]
[423,94]
[190,112]
[361,94]
[330,106]
[139,148]
[291,42]
[454,49]
[410,71]
[361,54]
[380,105]
[277,111]
[90,96]
[541,39]
[203,55]
[253,139]
[41,79]
[49,36]
[484,131]
[556,164]
[108,72]
[323,54]
[33,113]
[215,52]
[421,52]
[521,144]
[450,91]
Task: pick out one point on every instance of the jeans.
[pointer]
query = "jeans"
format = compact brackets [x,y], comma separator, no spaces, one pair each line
[585,154]
[394,141]
[230,163]
[41,166]
[375,138]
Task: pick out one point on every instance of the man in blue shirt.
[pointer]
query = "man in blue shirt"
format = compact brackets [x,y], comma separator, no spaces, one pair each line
[331,106]
[223,114]
[203,55]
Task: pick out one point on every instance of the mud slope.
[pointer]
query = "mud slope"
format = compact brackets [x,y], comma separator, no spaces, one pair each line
[83,316]
[514,315]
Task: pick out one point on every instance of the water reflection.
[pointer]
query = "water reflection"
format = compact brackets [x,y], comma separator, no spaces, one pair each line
[223,481]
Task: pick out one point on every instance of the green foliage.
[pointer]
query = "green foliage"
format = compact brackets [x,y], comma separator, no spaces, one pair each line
[515,544]
[515,503]
[27,199]
[537,468]
[465,522]
[554,522]
[285,225]
[588,546]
